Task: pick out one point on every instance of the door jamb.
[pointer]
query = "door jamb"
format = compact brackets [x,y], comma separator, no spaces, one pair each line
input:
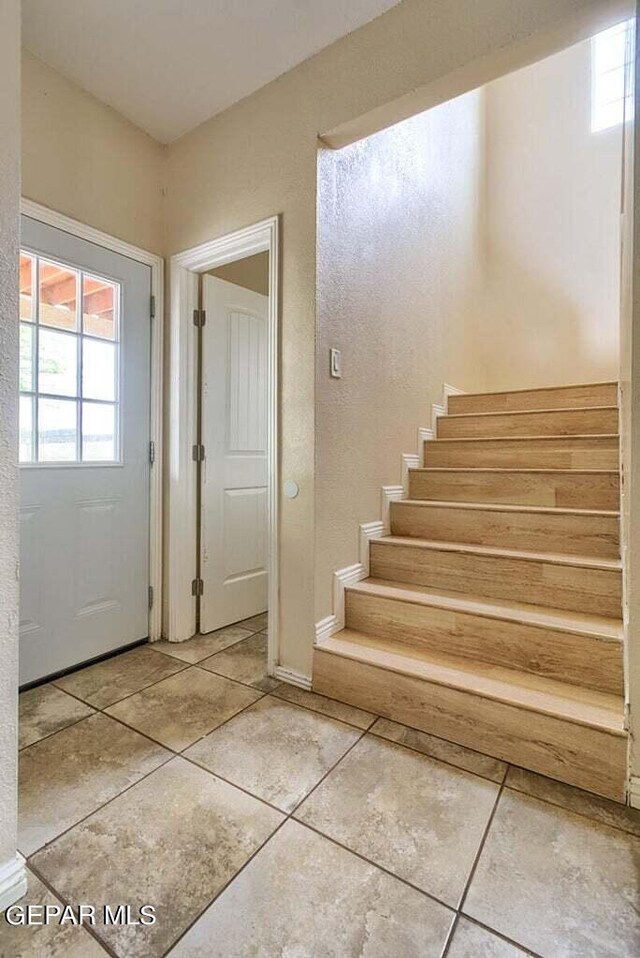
[182,512]
[52,218]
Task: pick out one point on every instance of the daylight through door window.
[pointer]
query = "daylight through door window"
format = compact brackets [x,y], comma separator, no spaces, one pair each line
[69,363]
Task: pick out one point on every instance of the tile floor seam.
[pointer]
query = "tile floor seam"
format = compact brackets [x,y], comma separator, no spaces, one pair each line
[246,685]
[55,732]
[571,809]
[436,758]
[98,808]
[208,655]
[478,854]
[499,934]
[377,865]
[195,742]
[224,887]
[183,668]
[288,816]
[337,701]
[258,797]
[47,883]
[450,936]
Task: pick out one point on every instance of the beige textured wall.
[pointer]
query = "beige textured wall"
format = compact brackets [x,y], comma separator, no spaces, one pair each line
[9,199]
[400,255]
[259,158]
[81,158]
[252,272]
[552,208]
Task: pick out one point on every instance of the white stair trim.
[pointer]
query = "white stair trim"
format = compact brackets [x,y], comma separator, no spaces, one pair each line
[333,623]
[634,791]
[13,881]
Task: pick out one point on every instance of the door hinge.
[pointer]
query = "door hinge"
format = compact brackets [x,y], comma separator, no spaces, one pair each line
[197,587]
[199,317]
[152,451]
[152,307]
[150,598]
[197,452]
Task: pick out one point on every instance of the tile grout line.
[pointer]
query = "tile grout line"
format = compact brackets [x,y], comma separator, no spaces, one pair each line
[436,758]
[172,755]
[474,866]
[478,855]
[150,646]
[498,934]
[63,899]
[288,816]
[376,865]
[55,732]
[29,857]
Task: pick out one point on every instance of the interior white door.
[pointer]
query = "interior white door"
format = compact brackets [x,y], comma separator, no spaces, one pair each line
[234,486]
[84,450]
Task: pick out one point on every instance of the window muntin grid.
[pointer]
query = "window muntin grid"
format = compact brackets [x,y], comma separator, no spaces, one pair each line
[70,340]
[612,76]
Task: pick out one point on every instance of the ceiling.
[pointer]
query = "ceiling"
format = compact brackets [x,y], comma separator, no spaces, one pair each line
[168,65]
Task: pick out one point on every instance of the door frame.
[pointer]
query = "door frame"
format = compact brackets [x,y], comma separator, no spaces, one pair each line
[68,225]
[182,515]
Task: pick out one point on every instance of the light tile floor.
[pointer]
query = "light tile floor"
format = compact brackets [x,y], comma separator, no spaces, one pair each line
[261,820]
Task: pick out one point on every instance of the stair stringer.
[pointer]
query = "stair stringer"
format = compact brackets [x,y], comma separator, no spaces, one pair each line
[342,578]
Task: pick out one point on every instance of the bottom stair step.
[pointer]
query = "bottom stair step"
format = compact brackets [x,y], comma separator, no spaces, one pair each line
[569,733]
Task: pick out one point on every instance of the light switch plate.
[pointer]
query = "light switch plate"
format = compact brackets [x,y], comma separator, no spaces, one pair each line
[335,363]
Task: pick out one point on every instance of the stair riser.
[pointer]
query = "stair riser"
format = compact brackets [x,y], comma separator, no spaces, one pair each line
[599,394]
[594,536]
[537,582]
[558,490]
[585,757]
[579,659]
[560,423]
[564,453]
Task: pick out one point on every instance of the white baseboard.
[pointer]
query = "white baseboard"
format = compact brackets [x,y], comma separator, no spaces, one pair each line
[634,791]
[13,881]
[333,623]
[292,678]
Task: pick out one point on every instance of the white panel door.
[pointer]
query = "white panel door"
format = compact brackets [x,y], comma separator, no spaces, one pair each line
[84,450]
[233,550]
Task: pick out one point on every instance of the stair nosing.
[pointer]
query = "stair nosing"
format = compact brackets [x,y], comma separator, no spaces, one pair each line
[554,558]
[525,412]
[501,610]
[536,389]
[505,507]
[530,438]
[400,663]
[517,470]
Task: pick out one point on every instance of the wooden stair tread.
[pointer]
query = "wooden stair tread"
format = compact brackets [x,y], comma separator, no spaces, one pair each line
[532,438]
[524,690]
[504,507]
[509,470]
[527,412]
[550,557]
[538,389]
[579,623]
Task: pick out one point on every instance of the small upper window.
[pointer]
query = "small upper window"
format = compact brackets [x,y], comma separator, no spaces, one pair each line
[612,76]
[69,361]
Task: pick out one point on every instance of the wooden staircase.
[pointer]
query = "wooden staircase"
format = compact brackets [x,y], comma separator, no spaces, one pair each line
[493,612]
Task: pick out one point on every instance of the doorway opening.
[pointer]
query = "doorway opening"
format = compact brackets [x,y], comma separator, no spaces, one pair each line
[222,544]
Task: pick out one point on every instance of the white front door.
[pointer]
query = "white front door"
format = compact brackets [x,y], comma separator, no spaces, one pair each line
[84,450]
[234,486]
